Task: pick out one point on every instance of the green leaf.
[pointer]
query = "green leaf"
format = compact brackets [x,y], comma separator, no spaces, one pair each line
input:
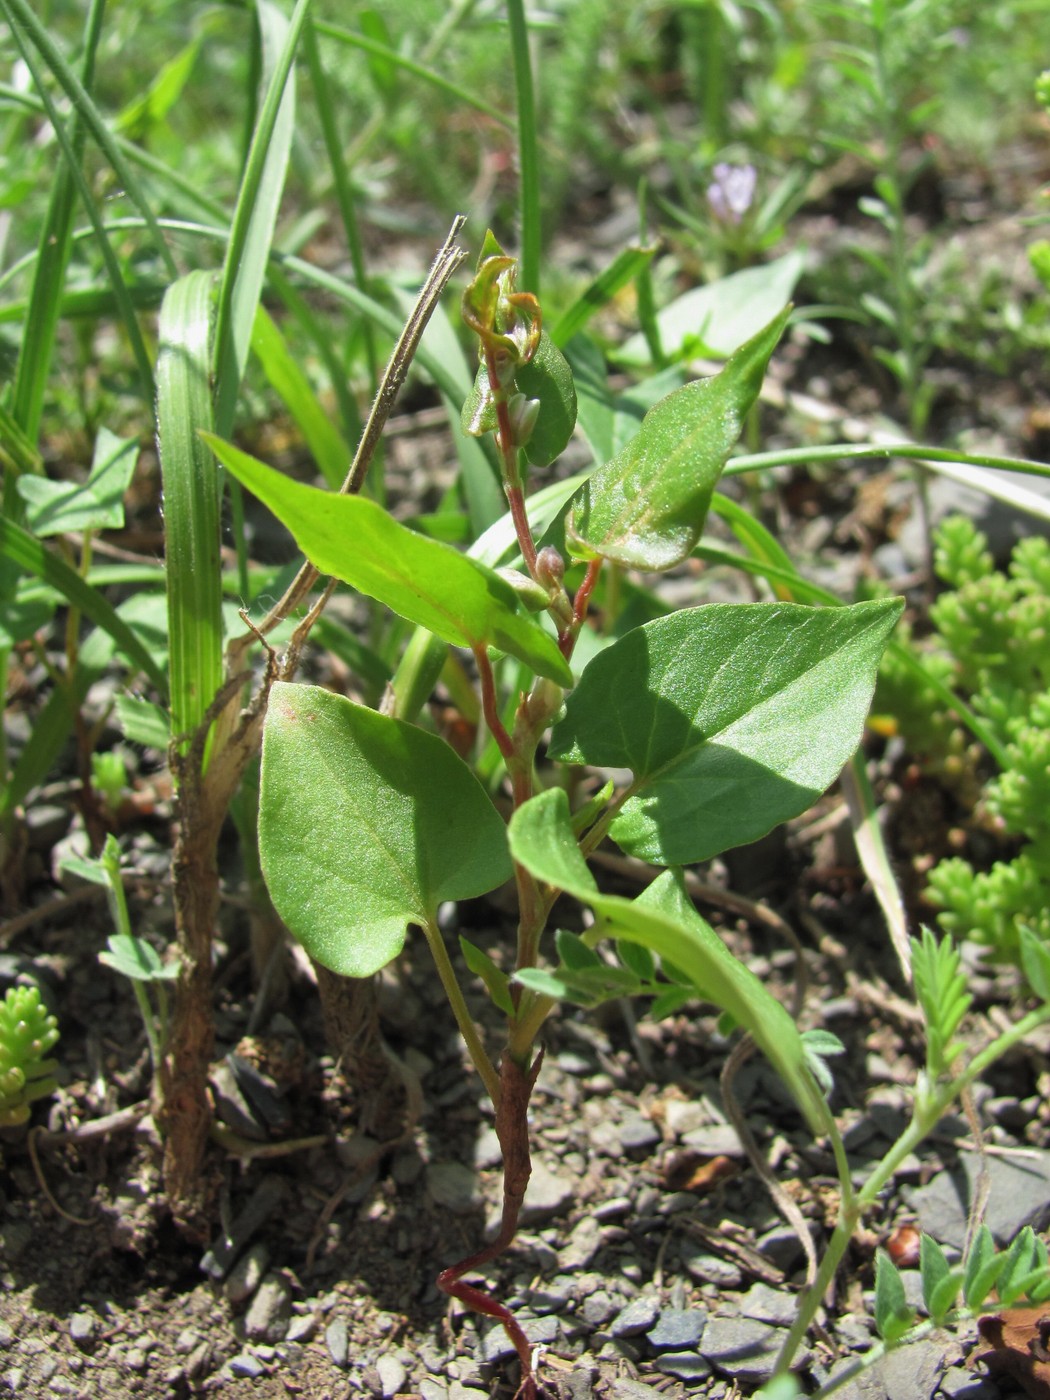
[366,825]
[719,318]
[423,580]
[1018,1263]
[135,958]
[983,1266]
[192,500]
[893,1316]
[53,507]
[624,268]
[665,921]
[732,718]
[547,377]
[285,374]
[29,553]
[573,953]
[646,507]
[636,959]
[496,981]
[143,722]
[1035,961]
[934,1268]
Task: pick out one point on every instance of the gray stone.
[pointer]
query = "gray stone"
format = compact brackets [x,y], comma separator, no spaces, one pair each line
[247,1274]
[769,1305]
[433,1390]
[497,1346]
[337,1340]
[271,1309]
[457,1391]
[136,1360]
[583,1244]
[910,1373]
[392,1375]
[455,1187]
[487,1151]
[678,1329]
[960,1383]
[638,1316]
[548,1194]
[248,1365]
[599,1307]
[82,1327]
[1020,1196]
[685,1365]
[715,1140]
[707,1268]
[264,1200]
[623,1388]
[638,1135]
[301,1329]
[744,1348]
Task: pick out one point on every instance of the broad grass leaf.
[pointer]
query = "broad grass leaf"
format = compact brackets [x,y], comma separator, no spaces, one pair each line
[422,580]
[732,718]
[366,825]
[647,506]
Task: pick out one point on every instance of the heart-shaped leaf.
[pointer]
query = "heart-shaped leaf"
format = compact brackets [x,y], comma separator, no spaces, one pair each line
[423,580]
[366,825]
[646,508]
[732,718]
[54,507]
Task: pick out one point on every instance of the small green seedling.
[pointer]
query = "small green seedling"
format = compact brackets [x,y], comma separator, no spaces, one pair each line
[727,720]
[27,1032]
[128,954]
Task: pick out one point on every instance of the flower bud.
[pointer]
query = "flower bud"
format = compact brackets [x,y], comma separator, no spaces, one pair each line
[550,567]
[523,414]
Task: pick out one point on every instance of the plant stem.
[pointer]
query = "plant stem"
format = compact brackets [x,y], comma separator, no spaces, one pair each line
[464,1020]
[927,1114]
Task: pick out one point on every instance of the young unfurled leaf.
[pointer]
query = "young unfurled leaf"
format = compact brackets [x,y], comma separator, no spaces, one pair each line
[983,1266]
[940,986]
[366,825]
[732,718]
[496,981]
[646,508]
[548,378]
[1035,961]
[893,1316]
[423,580]
[821,1045]
[935,1270]
[137,960]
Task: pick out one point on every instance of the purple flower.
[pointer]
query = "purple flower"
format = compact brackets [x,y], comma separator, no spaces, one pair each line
[731,191]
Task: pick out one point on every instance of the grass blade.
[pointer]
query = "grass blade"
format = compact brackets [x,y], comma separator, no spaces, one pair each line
[528,152]
[18,544]
[191,500]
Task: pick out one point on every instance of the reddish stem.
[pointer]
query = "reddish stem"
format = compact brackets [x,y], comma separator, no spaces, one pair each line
[490,707]
[512,1129]
[522,528]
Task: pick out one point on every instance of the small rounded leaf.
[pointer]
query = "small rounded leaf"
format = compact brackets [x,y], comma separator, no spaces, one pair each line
[548,378]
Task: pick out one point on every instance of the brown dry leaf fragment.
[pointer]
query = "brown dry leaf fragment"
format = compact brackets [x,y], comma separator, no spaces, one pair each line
[693,1171]
[903,1247]
[1019,1346]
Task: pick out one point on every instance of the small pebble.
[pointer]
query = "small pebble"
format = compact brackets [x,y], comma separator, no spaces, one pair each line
[301,1329]
[677,1329]
[684,1365]
[270,1312]
[247,1365]
[638,1135]
[247,1274]
[392,1375]
[81,1329]
[337,1340]
[637,1316]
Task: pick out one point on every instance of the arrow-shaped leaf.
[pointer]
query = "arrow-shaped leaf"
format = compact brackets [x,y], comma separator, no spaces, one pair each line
[646,508]
[423,580]
[665,921]
[732,718]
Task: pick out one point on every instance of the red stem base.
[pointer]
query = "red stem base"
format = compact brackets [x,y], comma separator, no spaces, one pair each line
[512,1129]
